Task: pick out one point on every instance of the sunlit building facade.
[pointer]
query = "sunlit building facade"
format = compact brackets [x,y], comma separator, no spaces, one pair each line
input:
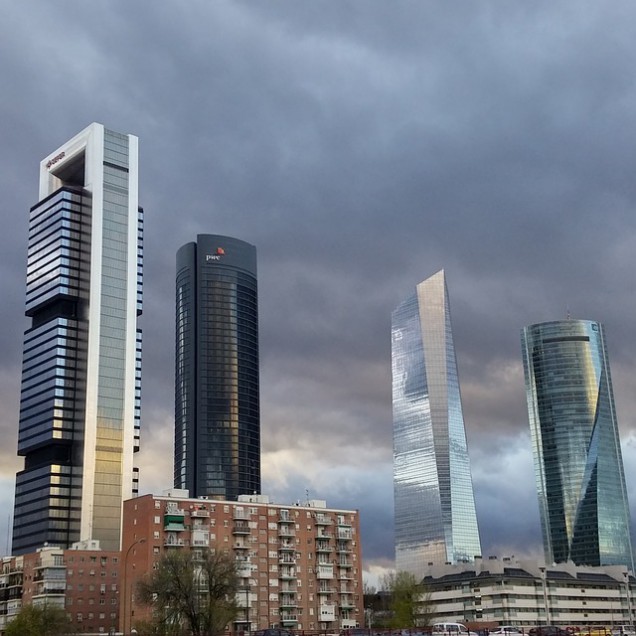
[81,373]
[435,519]
[577,454]
[217,416]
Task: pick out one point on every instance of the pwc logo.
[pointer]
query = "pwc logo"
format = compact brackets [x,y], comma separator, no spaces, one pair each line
[216,256]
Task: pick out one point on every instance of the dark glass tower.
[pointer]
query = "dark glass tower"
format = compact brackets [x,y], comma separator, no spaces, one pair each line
[81,371]
[217,417]
[577,453]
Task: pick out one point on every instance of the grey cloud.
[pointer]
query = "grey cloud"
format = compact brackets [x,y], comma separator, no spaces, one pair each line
[361,149]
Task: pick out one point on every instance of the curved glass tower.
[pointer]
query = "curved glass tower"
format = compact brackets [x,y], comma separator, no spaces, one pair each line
[576,447]
[217,417]
[435,519]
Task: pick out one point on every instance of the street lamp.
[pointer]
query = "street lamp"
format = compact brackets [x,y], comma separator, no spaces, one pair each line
[130,547]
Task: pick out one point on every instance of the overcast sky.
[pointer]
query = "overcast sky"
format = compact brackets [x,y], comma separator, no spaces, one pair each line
[361,146]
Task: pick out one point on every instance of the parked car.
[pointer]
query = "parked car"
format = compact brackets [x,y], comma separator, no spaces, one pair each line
[272,632]
[624,630]
[548,630]
[507,630]
[451,629]
[595,631]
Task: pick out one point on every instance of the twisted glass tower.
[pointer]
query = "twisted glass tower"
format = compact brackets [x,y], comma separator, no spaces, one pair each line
[81,371]
[577,455]
[217,415]
[435,519]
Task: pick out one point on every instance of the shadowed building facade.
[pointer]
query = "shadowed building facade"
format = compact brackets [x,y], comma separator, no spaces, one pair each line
[576,447]
[217,417]
[81,371]
[435,519]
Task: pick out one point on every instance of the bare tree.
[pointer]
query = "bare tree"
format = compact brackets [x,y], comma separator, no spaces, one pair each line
[195,594]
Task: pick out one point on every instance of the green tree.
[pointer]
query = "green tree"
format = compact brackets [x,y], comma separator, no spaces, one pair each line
[39,620]
[192,594]
[410,602]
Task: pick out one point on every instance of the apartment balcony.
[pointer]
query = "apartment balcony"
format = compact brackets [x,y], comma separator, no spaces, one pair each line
[324,572]
[288,587]
[241,545]
[200,513]
[287,545]
[323,520]
[345,533]
[288,619]
[343,548]
[347,604]
[285,517]
[287,575]
[174,523]
[288,601]
[324,535]
[323,546]
[241,527]
[286,559]
[326,589]
[48,592]
[239,513]
[286,531]
[344,564]
[171,541]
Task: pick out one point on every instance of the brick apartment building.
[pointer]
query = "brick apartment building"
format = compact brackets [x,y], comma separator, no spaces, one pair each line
[300,566]
[83,580]
[10,589]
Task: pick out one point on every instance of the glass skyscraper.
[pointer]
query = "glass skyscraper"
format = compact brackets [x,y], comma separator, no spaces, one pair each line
[81,372]
[435,519]
[217,416]
[576,447]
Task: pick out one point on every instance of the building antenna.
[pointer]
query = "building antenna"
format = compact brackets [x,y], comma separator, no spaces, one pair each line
[568,315]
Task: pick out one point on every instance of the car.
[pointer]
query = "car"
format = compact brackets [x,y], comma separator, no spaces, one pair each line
[596,631]
[451,629]
[548,630]
[507,630]
[272,632]
[623,630]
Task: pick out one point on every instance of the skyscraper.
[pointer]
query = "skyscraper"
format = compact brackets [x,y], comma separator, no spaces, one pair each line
[577,453]
[435,519]
[81,373]
[217,418]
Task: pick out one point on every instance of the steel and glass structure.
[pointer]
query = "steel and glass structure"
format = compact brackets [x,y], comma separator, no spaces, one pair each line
[81,373]
[576,447]
[435,519]
[217,416]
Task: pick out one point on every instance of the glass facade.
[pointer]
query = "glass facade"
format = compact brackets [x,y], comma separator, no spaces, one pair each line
[576,447]
[217,415]
[80,398]
[435,519]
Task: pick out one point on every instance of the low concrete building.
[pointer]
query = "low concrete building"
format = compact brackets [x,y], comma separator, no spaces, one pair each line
[526,593]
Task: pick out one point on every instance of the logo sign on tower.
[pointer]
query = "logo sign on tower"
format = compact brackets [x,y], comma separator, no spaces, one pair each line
[216,256]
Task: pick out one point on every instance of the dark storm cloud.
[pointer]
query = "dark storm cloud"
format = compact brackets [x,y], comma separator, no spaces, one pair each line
[361,148]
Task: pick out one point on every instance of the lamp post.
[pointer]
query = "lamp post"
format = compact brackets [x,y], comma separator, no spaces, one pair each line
[130,547]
